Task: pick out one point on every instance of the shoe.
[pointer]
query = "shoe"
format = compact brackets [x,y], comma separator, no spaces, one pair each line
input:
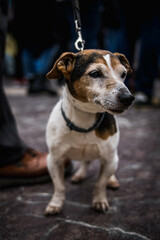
[31,169]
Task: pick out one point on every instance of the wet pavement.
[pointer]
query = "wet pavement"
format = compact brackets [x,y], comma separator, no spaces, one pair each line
[134,212]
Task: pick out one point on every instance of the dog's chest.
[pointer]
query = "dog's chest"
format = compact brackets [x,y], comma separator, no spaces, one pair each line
[83,152]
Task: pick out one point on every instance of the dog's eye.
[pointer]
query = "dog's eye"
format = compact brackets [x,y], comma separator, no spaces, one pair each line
[95,74]
[124,74]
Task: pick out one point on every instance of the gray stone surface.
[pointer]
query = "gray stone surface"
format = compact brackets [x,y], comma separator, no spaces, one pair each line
[134,212]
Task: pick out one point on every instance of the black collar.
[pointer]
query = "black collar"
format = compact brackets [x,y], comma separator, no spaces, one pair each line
[82,130]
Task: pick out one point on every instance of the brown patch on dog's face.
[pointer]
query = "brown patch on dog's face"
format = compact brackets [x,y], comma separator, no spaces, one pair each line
[124,62]
[94,76]
[90,67]
[83,77]
[81,82]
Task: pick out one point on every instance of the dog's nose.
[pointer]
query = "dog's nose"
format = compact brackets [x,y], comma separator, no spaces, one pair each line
[126,99]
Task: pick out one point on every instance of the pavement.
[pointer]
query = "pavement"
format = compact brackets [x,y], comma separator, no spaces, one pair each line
[134,212]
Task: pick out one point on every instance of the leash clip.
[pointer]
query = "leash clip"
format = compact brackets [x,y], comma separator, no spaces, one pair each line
[79,43]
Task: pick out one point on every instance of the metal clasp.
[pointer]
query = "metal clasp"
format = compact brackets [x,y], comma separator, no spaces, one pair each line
[79,43]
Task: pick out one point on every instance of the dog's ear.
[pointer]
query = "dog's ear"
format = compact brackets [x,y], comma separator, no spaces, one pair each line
[63,66]
[124,62]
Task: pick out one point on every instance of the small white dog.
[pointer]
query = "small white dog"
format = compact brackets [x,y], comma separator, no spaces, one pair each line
[82,125]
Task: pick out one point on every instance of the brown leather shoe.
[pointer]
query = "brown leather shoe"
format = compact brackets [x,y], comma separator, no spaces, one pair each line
[32,168]
[33,164]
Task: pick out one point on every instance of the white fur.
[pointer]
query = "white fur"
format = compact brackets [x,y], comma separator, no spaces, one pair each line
[64,143]
[112,72]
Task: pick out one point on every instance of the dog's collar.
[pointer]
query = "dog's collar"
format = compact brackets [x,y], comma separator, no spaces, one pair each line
[82,130]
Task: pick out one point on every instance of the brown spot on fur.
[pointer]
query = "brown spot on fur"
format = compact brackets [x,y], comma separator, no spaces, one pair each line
[107,128]
[124,61]
[80,87]
[64,65]
[74,69]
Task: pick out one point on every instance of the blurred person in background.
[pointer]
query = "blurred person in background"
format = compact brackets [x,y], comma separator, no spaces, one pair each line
[90,12]
[124,24]
[149,55]
[33,28]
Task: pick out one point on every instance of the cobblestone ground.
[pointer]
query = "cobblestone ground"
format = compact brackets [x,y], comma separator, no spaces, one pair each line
[134,212]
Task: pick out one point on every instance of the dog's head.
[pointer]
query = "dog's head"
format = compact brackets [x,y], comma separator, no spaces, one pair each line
[95,77]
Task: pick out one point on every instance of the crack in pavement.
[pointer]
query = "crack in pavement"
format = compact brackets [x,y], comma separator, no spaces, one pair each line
[49,231]
[108,230]
[111,230]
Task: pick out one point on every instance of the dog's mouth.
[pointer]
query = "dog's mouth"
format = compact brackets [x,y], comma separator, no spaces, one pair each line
[111,110]
[116,110]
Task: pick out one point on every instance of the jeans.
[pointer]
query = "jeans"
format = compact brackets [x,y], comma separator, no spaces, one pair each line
[149,56]
[12,147]
[38,66]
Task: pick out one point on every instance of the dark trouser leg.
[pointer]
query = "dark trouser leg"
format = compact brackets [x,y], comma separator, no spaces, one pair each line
[149,54]
[12,147]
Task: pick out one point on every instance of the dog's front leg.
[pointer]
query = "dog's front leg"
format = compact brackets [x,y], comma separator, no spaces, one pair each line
[56,169]
[108,168]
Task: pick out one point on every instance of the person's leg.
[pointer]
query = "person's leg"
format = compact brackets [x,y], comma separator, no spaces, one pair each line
[148,60]
[27,61]
[45,60]
[146,72]
[19,164]
[35,70]
[11,146]
[91,23]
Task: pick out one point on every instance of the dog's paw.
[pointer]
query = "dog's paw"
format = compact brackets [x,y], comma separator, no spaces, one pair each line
[52,209]
[77,178]
[100,206]
[113,182]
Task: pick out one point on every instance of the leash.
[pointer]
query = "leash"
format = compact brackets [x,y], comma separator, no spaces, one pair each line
[79,43]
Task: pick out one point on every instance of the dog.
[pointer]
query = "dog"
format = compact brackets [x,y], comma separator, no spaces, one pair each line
[82,125]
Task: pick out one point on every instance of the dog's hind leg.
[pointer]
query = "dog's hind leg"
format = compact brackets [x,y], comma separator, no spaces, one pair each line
[81,173]
[113,182]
